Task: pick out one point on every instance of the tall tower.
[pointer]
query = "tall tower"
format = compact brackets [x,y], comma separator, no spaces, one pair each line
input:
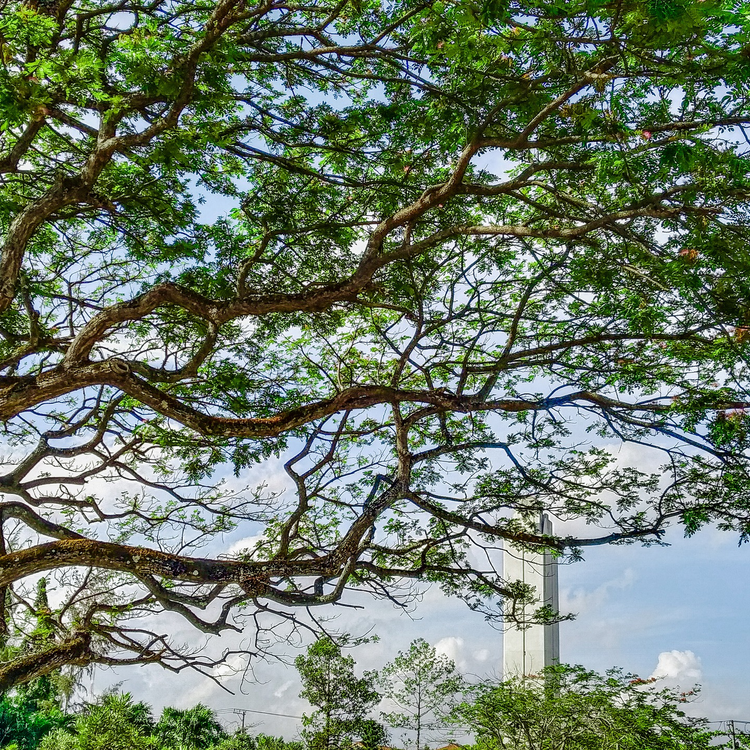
[528,651]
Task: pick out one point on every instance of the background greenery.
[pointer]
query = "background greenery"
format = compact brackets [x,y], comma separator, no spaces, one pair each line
[565,706]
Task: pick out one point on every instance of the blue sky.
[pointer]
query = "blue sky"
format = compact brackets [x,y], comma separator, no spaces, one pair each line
[682,607]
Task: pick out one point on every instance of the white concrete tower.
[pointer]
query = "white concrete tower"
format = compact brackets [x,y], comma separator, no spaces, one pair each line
[528,651]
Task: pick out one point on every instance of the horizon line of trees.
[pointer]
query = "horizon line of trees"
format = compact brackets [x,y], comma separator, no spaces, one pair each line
[566,706]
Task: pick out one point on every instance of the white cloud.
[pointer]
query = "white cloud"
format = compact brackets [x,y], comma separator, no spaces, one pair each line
[578,600]
[636,455]
[206,692]
[679,666]
[481,655]
[280,692]
[234,664]
[452,647]
[246,544]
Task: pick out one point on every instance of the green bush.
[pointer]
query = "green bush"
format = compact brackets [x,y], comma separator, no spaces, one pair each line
[115,723]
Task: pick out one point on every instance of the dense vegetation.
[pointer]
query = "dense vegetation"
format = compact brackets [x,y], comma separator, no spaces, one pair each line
[565,707]
[117,722]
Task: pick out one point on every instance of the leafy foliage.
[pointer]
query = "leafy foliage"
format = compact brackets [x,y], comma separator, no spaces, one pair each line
[579,709]
[194,728]
[566,706]
[114,723]
[342,700]
[23,723]
[423,684]
[439,261]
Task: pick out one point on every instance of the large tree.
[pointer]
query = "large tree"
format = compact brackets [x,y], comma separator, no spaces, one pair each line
[437,259]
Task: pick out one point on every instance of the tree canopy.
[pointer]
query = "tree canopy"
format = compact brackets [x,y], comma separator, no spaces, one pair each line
[342,700]
[422,685]
[575,708]
[438,259]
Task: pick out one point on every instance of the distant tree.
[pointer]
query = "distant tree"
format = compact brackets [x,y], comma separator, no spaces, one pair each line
[342,699]
[193,728]
[238,741]
[269,742]
[372,734]
[116,722]
[573,708]
[24,723]
[423,684]
[243,741]
[39,635]
[35,631]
